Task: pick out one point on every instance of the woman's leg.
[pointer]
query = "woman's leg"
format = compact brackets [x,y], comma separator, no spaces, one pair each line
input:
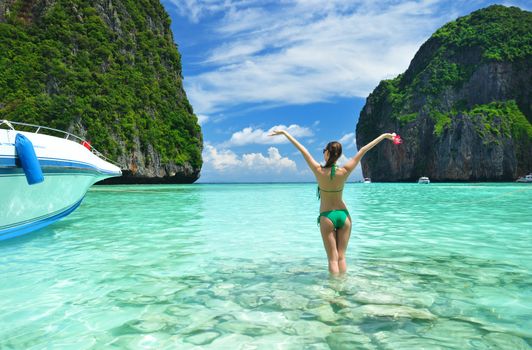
[328,234]
[342,240]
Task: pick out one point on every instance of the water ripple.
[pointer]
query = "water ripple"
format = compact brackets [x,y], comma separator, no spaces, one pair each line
[242,267]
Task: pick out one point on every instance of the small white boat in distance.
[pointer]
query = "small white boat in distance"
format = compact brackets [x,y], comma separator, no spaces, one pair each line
[423,180]
[525,179]
[367,180]
[69,166]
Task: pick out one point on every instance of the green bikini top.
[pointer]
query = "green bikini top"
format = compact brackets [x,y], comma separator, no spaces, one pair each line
[333,173]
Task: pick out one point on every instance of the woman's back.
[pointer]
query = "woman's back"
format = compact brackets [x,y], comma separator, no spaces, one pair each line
[331,188]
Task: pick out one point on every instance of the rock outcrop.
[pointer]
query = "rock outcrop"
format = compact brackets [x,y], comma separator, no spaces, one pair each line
[107,70]
[463,107]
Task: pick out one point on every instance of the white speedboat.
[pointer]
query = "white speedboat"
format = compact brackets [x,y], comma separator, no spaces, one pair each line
[367,180]
[526,179]
[423,180]
[68,164]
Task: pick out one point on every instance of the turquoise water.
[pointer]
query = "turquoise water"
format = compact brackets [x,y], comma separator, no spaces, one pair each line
[439,266]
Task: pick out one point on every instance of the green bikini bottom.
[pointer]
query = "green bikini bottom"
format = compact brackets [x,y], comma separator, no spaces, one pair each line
[337,217]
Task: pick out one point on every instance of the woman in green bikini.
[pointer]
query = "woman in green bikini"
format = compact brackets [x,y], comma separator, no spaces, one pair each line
[334,219]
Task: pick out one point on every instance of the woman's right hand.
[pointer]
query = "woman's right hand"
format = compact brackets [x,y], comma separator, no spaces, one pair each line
[277,132]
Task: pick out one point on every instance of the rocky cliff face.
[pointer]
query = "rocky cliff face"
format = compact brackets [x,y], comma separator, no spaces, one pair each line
[107,70]
[463,107]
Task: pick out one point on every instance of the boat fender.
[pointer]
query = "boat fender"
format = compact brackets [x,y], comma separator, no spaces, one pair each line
[28,160]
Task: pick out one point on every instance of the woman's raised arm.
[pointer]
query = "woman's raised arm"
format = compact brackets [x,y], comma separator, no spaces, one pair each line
[313,165]
[353,162]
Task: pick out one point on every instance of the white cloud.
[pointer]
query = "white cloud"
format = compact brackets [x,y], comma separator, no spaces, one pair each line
[273,162]
[221,164]
[219,159]
[304,51]
[347,138]
[195,9]
[225,160]
[202,119]
[259,136]
[348,141]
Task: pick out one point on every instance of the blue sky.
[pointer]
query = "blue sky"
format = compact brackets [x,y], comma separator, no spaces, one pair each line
[306,65]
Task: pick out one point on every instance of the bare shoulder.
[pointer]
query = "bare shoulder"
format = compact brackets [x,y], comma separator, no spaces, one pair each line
[341,171]
[320,171]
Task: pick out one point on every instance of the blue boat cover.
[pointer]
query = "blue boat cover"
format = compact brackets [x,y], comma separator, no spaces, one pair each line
[28,160]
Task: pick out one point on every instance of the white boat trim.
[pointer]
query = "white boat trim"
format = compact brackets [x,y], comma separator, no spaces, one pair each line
[8,164]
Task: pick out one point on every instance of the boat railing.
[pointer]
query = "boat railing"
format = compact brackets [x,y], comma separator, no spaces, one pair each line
[66,135]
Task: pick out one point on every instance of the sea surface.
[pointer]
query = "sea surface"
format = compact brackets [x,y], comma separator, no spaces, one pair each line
[242,266]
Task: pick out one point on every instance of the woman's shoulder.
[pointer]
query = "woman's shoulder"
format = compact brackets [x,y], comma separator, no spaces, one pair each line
[325,173]
[341,171]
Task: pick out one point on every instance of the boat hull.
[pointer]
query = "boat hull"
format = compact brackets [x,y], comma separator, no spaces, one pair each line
[27,208]
[69,171]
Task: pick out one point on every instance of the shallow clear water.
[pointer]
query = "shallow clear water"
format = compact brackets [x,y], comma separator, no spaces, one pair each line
[439,266]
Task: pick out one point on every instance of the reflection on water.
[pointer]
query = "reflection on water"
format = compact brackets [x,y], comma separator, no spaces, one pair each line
[242,266]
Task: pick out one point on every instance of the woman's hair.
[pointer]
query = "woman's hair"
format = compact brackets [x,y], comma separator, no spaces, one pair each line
[335,151]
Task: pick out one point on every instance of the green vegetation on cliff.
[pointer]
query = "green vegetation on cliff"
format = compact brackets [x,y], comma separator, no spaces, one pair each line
[448,60]
[500,118]
[111,69]
[503,33]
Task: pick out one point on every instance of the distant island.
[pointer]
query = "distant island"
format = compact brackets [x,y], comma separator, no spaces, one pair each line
[463,106]
[107,71]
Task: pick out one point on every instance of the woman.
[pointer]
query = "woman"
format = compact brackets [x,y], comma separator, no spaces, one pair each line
[334,219]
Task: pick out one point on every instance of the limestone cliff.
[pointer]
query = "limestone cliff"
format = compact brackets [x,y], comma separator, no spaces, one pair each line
[463,106]
[107,70]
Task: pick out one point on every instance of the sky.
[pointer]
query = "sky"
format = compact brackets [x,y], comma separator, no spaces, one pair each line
[252,66]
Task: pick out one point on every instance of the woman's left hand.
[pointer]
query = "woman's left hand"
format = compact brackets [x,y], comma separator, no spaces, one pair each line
[390,136]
